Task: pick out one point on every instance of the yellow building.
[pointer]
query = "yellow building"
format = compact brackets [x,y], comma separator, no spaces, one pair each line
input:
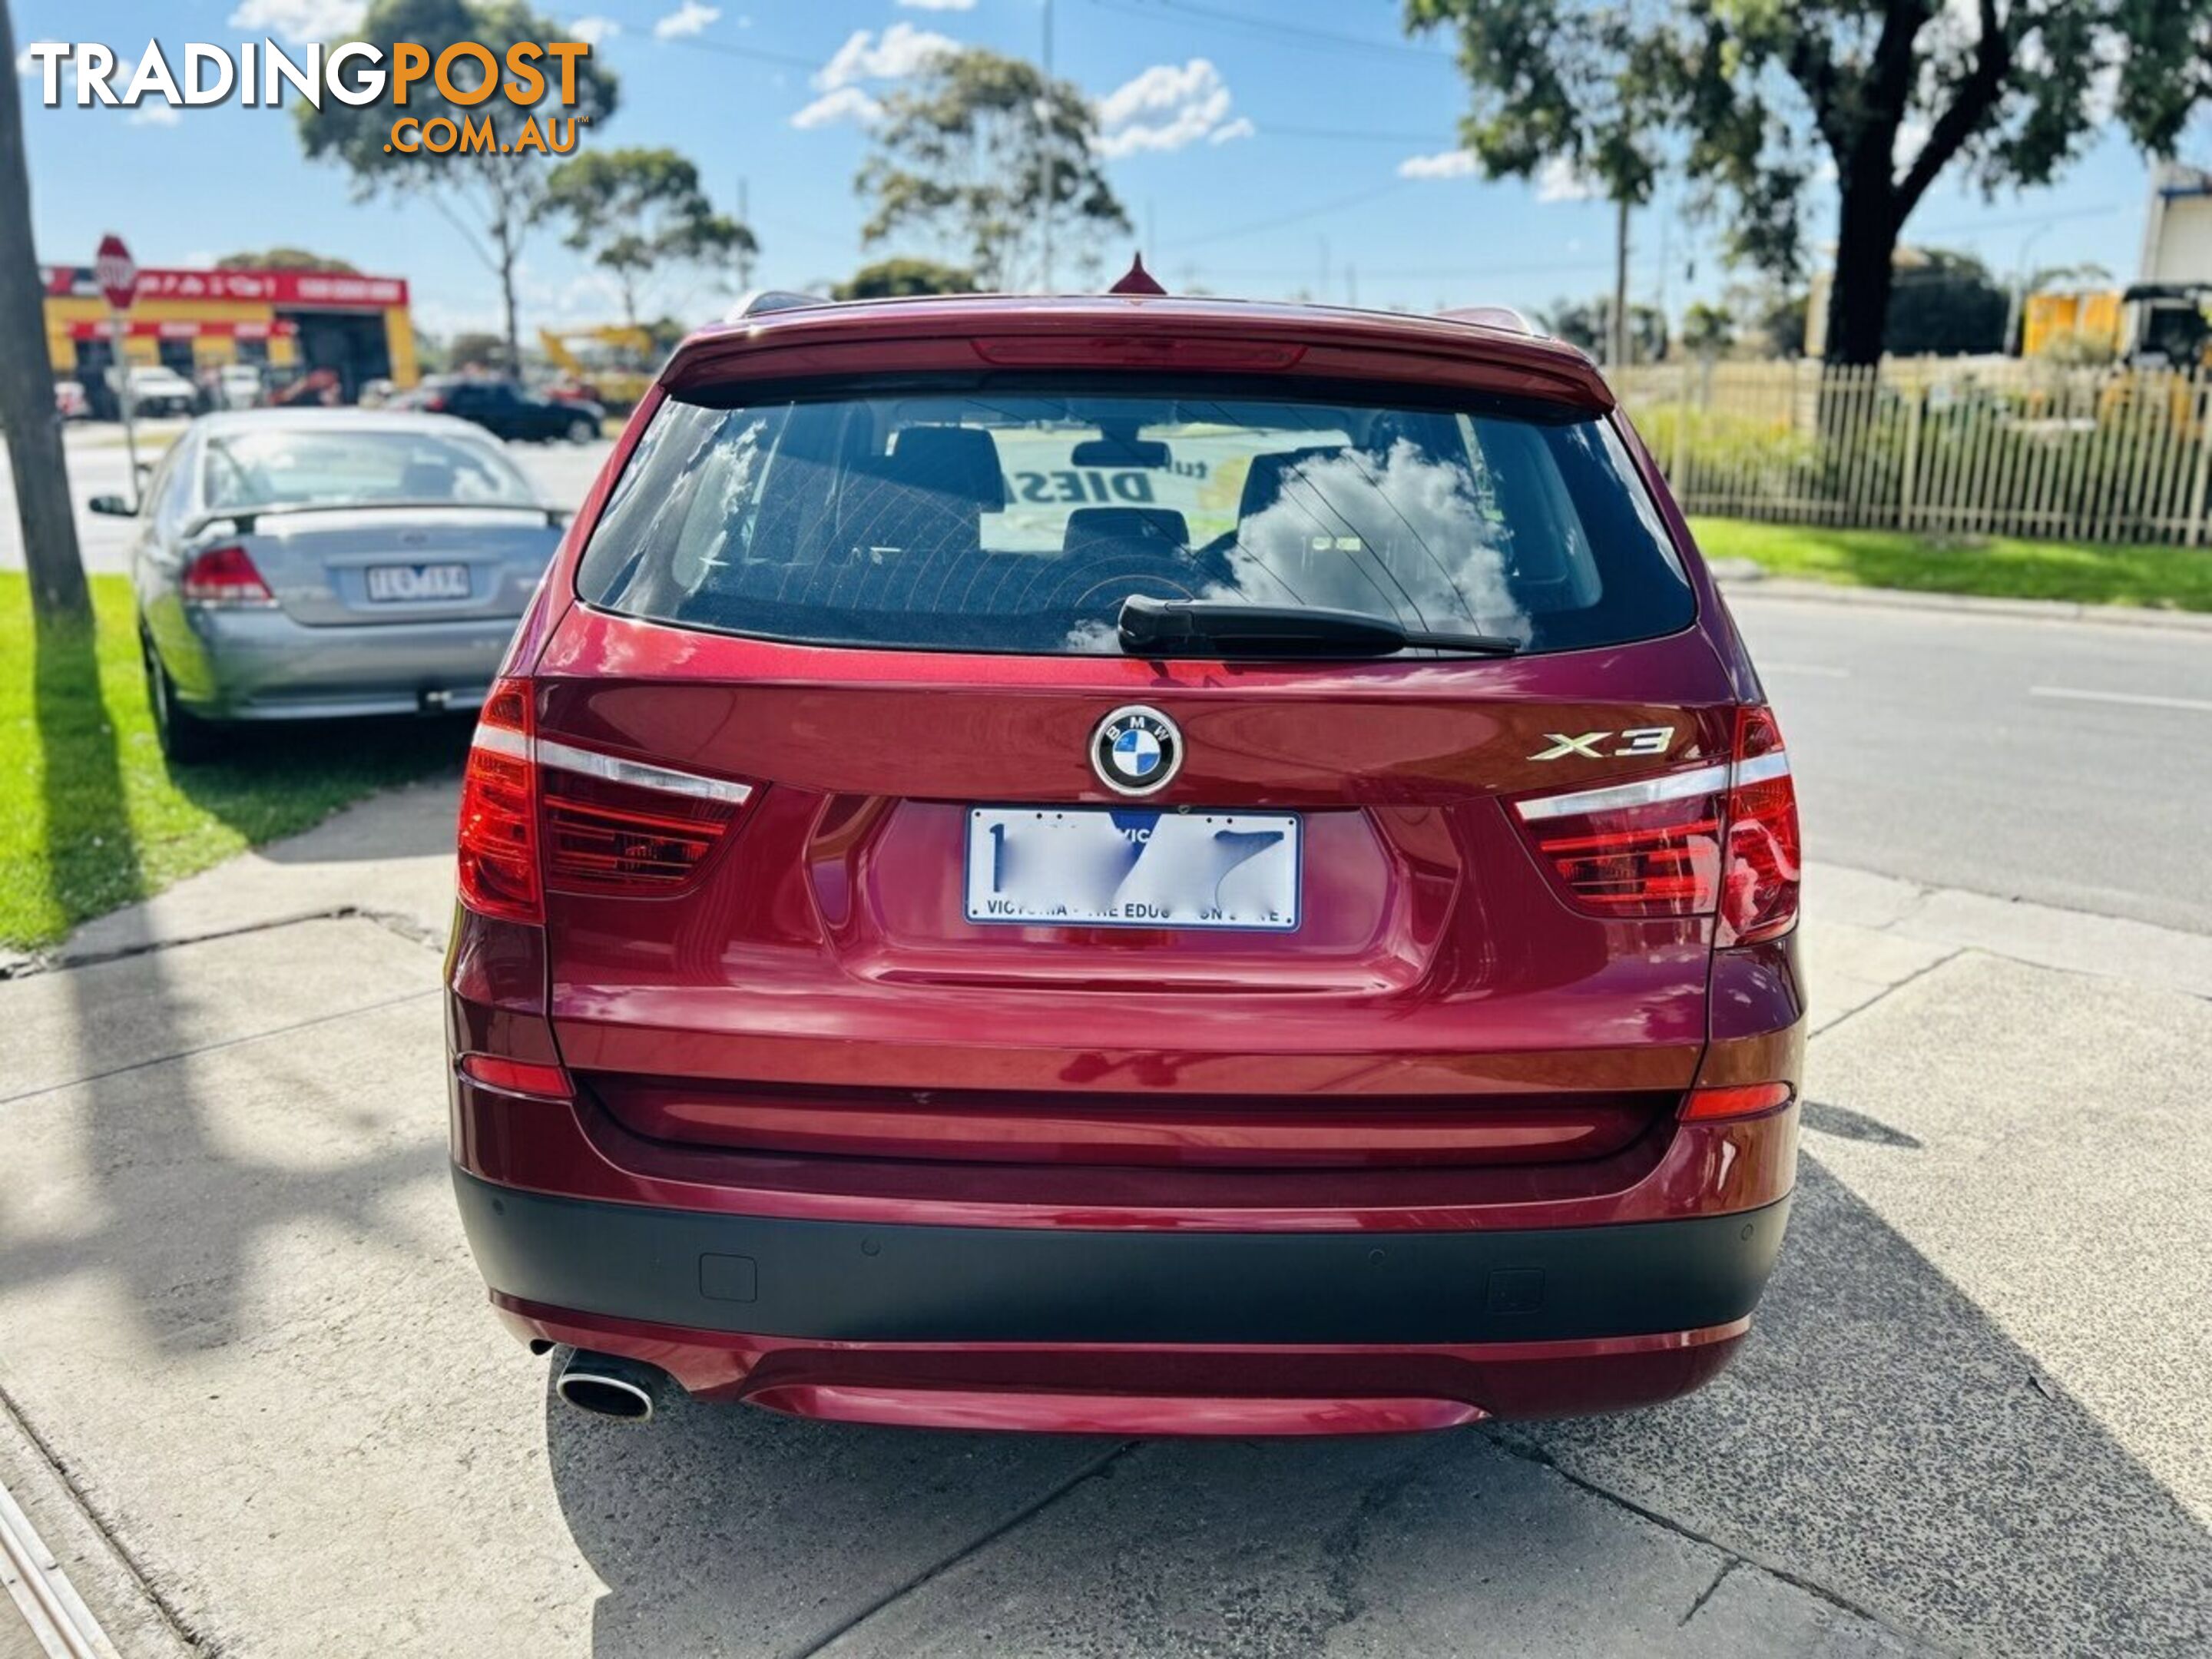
[353,329]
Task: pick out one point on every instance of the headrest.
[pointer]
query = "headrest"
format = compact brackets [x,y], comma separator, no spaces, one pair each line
[1263,481]
[1121,452]
[1160,529]
[951,460]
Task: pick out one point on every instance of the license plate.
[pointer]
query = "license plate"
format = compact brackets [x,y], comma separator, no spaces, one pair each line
[1112,867]
[418,581]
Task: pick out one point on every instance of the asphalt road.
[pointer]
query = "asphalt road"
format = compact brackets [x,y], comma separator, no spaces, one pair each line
[2064,763]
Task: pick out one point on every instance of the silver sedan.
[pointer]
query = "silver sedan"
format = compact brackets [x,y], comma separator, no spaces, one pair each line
[316,562]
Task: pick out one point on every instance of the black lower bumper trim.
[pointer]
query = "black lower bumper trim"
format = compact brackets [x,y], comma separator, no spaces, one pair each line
[833,1280]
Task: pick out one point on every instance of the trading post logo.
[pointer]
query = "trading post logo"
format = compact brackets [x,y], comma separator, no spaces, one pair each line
[484,86]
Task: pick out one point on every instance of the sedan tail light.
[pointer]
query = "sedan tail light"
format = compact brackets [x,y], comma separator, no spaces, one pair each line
[224,578]
[1717,839]
[539,813]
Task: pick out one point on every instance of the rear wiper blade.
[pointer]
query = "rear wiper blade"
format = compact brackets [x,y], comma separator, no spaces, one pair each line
[1166,627]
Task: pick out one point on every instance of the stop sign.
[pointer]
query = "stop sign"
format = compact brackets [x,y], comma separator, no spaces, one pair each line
[116,272]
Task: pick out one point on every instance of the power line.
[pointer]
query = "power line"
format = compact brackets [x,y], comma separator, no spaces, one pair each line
[721,47]
[1355,135]
[1340,204]
[1296,34]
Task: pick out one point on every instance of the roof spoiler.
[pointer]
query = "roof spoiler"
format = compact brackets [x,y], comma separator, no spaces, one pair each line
[1502,318]
[243,523]
[762,300]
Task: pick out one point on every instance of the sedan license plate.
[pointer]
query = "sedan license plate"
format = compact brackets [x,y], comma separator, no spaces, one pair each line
[418,581]
[1116,867]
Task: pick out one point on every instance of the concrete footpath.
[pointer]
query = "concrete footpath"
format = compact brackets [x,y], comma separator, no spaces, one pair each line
[252,1402]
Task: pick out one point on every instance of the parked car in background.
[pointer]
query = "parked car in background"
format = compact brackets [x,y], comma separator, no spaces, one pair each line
[1127,866]
[154,390]
[505,410]
[69,401]
[308,563]
[241,385]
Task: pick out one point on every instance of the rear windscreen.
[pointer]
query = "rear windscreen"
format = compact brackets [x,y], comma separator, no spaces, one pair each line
[1019,520]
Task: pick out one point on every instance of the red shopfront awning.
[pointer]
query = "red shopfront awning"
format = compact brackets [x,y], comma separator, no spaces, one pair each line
[188,330]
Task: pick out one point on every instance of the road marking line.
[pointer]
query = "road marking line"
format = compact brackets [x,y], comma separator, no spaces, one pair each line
[55,1612]
[1821,669]
[2133,699]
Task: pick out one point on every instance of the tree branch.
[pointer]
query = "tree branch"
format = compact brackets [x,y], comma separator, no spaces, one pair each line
[1977,96]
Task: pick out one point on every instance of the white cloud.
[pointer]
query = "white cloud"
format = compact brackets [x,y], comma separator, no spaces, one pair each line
[842,104]
[152,113]
[1557,181]
[690,18]
[900,50]
[1167,107]
[594,30]
[71,74]
[1446,164]
[938,5]
[27,64]
[298,21]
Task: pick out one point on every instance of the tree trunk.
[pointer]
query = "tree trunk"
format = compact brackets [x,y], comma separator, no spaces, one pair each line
[1866,245]
[28,417]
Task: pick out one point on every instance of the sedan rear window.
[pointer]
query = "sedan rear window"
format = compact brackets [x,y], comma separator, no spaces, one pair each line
[297,466]
[1020,518]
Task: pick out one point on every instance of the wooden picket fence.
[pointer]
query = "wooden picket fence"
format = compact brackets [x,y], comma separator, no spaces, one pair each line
[1963,447]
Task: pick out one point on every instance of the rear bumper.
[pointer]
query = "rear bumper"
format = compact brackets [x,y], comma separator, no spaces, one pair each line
[1131,1331]
[261,665]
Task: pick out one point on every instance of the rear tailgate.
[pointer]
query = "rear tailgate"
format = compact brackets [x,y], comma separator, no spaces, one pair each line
[401,564]
[821,986]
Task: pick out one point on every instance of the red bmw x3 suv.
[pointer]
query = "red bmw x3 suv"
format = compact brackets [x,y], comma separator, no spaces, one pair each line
[1127,863]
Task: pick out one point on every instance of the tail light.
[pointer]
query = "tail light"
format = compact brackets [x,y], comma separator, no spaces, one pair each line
[498,850]
[1648,848]
[1759,887]
[1718,839]
[538,813]
[224,578]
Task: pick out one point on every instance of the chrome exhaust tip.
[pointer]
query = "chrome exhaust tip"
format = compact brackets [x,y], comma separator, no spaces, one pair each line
[607,1385]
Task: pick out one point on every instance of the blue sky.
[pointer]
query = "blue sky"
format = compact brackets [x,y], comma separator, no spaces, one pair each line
[1262,148]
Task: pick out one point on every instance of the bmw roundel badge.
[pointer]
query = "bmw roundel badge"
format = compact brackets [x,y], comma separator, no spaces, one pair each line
[1136,750]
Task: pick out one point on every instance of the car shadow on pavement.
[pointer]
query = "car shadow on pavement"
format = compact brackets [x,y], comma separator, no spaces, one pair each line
[180,1216]
[1879,1438]
[342,759]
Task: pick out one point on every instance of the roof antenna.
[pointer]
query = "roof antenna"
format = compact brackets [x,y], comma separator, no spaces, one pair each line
[1137,279]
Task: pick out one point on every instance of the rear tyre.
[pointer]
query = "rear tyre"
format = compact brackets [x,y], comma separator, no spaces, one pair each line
[583,429]
[184,738]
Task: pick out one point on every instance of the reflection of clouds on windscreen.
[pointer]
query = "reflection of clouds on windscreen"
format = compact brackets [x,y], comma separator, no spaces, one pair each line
[1402,535]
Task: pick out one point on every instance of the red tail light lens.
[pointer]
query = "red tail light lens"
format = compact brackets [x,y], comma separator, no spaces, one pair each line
[1648,849]
[498,851]
[537,812]
[626,825]
[1735,1100]
[224,578]
[1759,882]
[1719,838]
